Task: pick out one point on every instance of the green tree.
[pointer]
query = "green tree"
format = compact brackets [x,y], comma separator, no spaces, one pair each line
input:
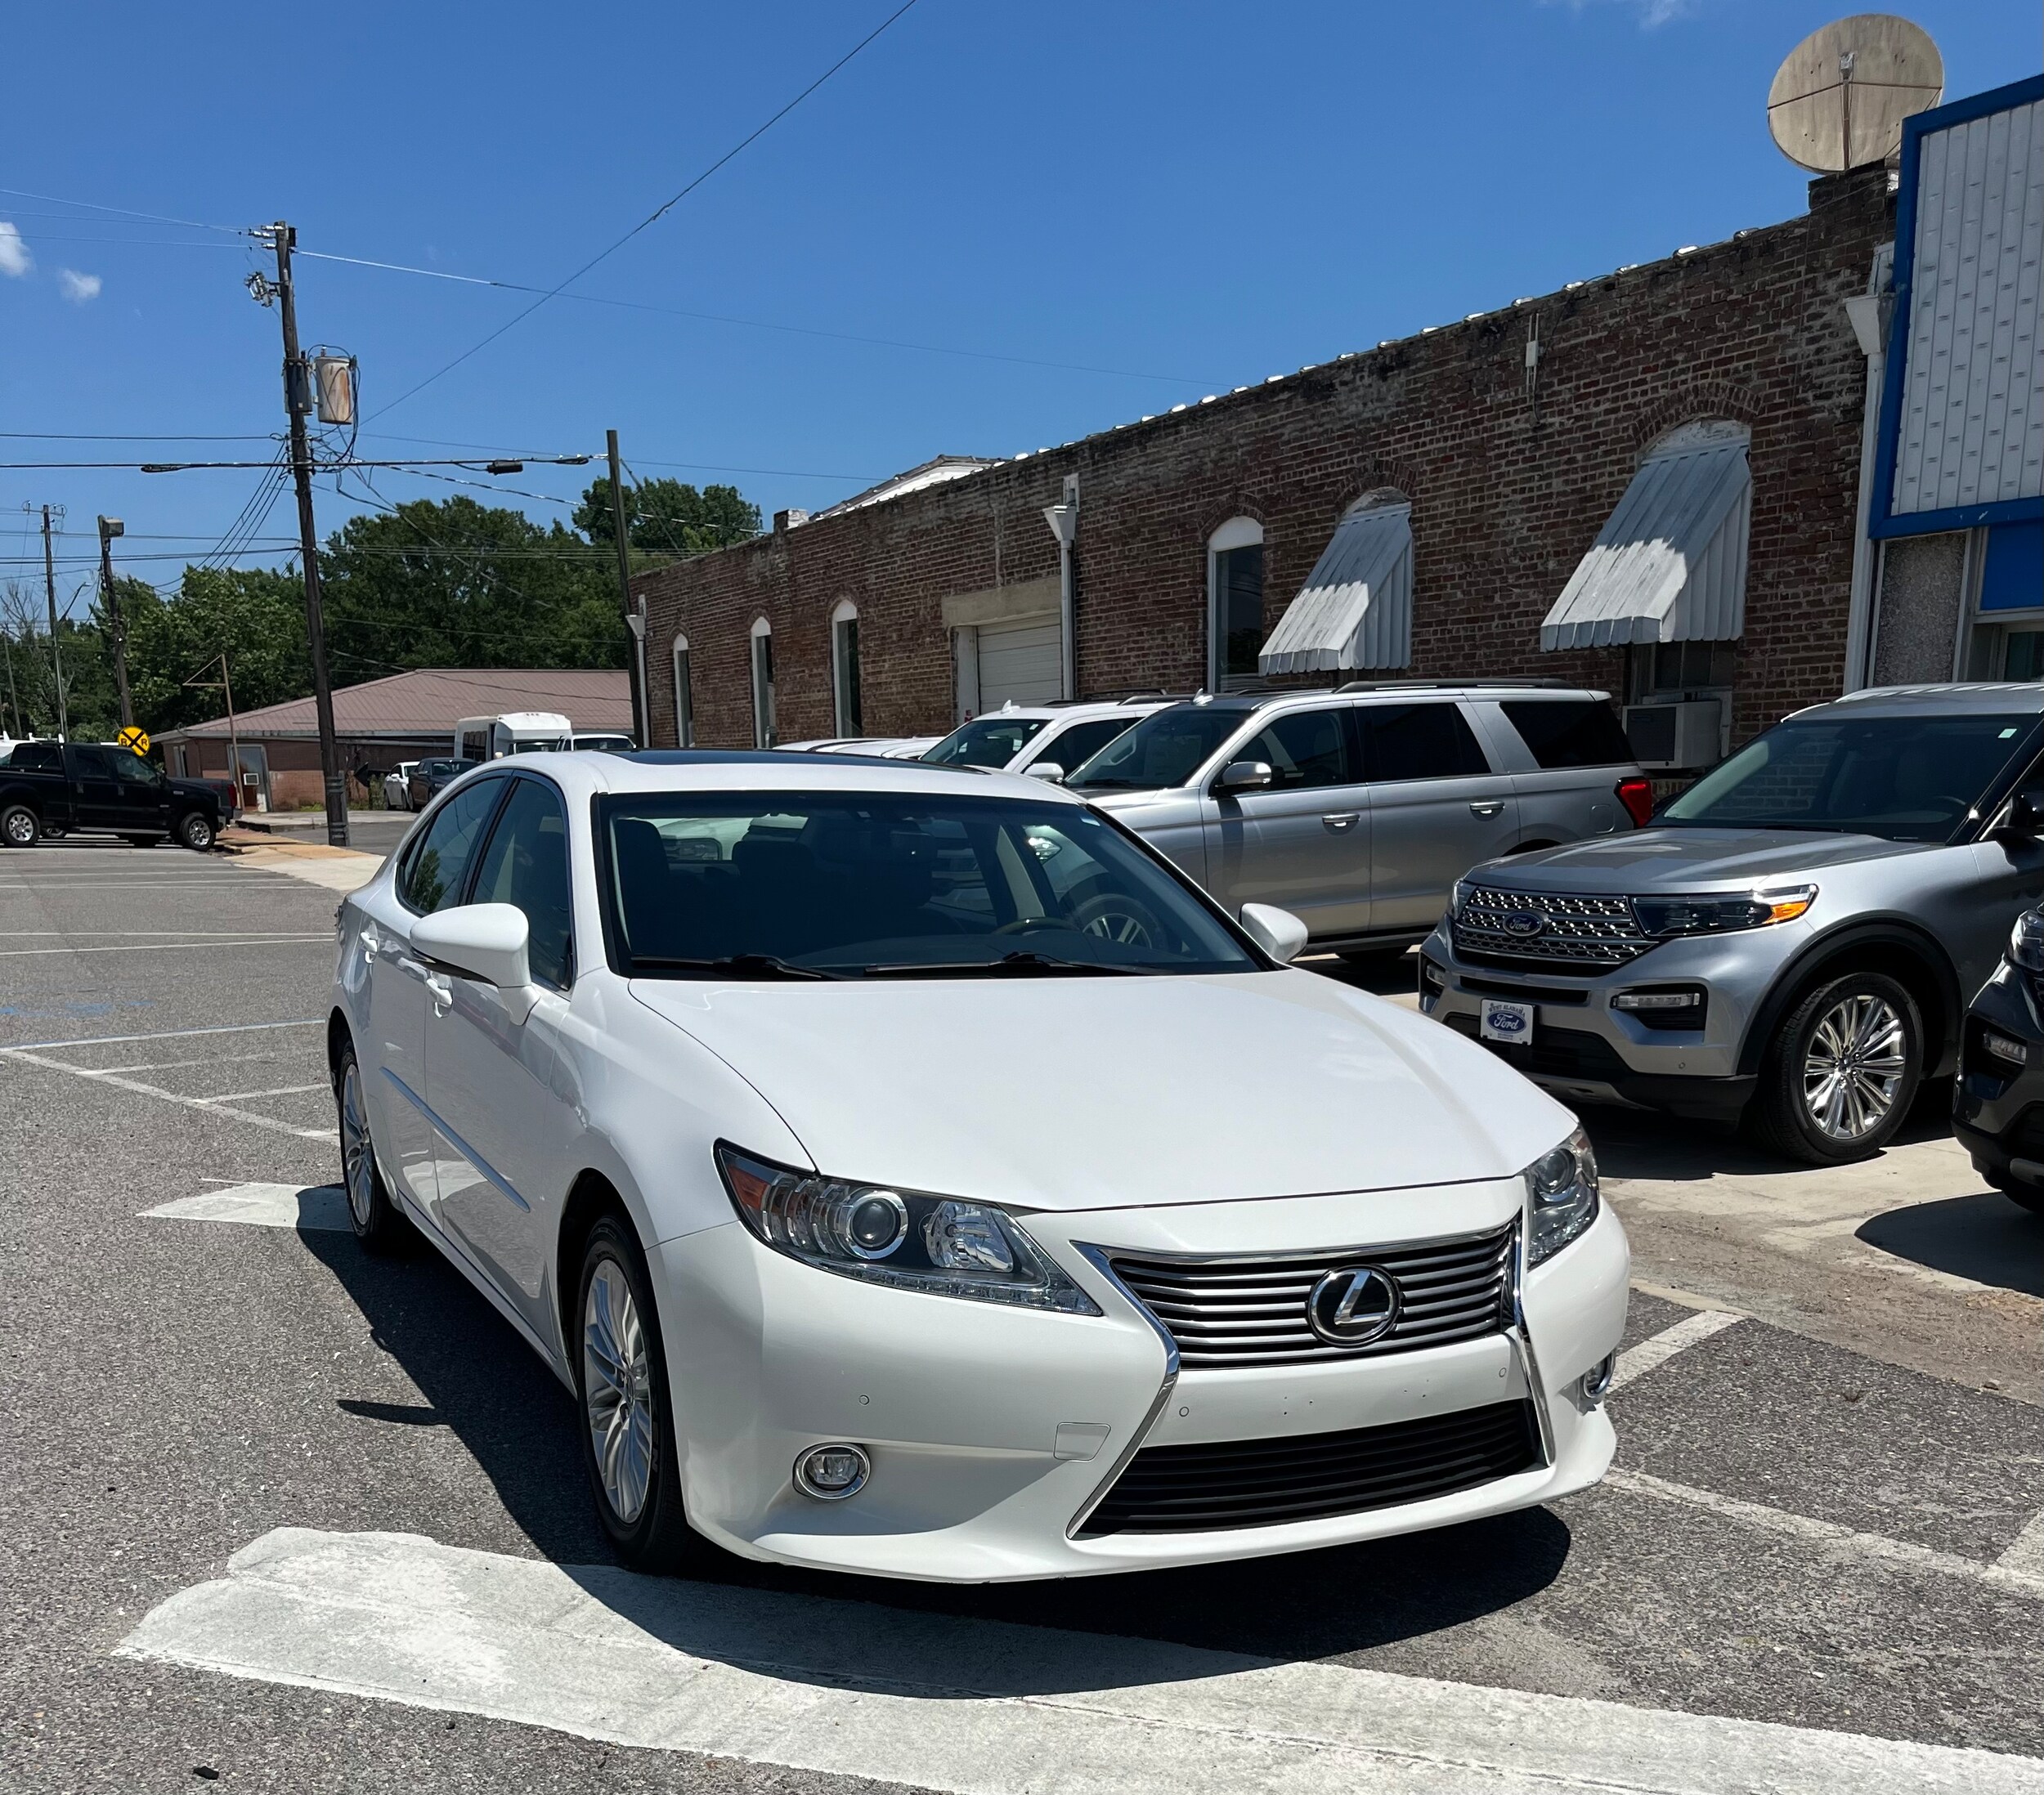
[255,615]
[668,518]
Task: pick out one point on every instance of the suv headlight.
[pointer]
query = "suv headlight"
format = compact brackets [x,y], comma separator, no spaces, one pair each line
[1713,913]
[910,1239]
[2026,941]
[1561,1197]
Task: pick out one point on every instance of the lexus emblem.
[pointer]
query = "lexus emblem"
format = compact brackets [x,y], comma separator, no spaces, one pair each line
[1353,1306]
[1525,923]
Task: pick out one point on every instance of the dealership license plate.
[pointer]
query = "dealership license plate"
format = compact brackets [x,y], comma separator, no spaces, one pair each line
[1506,1021]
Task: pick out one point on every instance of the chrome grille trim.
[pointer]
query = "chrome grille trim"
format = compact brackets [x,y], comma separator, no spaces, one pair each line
[1579,929]
[1230,1312]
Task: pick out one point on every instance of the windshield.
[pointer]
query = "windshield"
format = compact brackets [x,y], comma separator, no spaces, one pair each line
[1904,778]
[860,884]
[985,741]
[1167,748]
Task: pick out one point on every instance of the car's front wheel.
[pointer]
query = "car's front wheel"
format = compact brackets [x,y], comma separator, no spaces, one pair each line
[1842,1070]
[628,1418]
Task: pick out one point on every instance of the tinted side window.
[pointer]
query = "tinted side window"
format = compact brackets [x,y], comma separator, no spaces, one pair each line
[1569,732]
[432,878]
[133,769]
[1081,742]
[1306,748]
[92,762]
[1418,742]
[36,757]
[526,864]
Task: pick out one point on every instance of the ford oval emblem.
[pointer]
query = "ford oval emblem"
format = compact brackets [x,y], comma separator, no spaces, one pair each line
[1524,924]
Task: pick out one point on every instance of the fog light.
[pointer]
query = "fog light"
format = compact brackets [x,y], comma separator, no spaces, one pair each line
[1433,982]
[1656,999]
[1595,1383]
[831,1473]
[2004,1046]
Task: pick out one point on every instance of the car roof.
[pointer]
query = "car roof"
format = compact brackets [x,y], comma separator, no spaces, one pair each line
[1392,691]
[1962,697]
[767,769]
[1079,707]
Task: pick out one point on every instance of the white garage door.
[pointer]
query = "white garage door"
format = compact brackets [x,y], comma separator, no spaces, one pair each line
[1019,662]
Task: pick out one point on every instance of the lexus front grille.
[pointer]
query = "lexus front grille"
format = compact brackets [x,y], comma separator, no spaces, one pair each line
[1547,929]
[1234,1312]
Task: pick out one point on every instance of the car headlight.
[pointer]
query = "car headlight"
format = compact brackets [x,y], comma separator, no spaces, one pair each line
[1715,913]
[1561,1197]
[2026,941]
[912,1240]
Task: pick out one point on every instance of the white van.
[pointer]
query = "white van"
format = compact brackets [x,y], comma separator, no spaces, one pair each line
[513,732]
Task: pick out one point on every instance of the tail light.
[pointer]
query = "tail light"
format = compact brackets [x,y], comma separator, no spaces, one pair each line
[1636,795]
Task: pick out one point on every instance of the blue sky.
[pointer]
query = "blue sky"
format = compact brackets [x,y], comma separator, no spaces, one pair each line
[1168,199]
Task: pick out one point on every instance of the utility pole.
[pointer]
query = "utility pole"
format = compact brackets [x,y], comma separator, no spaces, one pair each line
[56,656]
[109,528]
[6,646]
[634,624]
[297,395]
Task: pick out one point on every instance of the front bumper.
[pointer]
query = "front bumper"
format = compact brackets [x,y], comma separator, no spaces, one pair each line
[1585,1051]
[1997,1111]
[974,1415]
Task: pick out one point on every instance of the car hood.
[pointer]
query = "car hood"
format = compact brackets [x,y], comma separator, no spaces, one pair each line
[1690,860]
[198,788]
[1080,1093]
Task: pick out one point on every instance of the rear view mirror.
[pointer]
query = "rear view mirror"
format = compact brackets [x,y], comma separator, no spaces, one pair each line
[1243,776]
[1277,931]
[485,941]
[1046,769]
[2025,819]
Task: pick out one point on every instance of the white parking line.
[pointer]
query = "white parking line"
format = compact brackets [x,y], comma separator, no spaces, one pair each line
[2025,1554]
[275,1090]
[1842,1541]
[163,1034]
[322,1206]
[943,1703]
[1635,1362]
[217,1106]
[174,946]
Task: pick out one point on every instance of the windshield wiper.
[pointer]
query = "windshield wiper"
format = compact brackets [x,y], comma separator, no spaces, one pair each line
[739,965]
[1021,964]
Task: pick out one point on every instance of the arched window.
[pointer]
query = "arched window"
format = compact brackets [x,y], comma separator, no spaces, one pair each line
[845,667]
[765,734]
[1235,601]
[685,700]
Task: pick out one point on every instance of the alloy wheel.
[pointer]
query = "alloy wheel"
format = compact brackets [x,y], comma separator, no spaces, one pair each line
[1854,1066]
[618,1393]
[358,1165]
[22,828]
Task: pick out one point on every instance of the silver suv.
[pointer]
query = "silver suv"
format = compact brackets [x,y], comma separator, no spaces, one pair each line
[1357,809]
[1794,941]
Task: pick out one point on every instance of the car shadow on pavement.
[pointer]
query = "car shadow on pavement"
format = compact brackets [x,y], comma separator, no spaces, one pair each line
[1985,1238]
[480,1379]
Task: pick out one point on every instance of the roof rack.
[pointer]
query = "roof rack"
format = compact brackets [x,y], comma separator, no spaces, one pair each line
[1543,683]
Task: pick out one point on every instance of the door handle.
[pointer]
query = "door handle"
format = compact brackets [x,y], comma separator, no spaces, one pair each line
[371,943]
[441,992]
[1485,807]
[1342,819]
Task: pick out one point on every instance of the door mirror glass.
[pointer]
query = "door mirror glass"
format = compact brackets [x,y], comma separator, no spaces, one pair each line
[1277,931]
[480,941]
[1243,776]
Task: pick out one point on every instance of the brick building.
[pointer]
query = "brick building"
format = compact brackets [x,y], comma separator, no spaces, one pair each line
[1591,460]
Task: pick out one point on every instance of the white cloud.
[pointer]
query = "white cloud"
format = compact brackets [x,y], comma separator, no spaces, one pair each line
[15,259]
[77,287]
[1651,13]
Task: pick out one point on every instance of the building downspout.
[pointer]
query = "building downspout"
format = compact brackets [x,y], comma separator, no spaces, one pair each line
[1870,312]
[1063,518]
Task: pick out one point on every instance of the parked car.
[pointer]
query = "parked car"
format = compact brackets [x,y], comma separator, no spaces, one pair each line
[1998,1100]
[49,788]
[880,747]
[1359,808]
[511,732]
[664,1056]
[397,786]
[429,778]
[1049,740]
[602,742]
[1792,940]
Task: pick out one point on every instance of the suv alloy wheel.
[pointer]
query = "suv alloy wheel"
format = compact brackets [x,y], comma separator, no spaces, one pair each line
[1841,1071]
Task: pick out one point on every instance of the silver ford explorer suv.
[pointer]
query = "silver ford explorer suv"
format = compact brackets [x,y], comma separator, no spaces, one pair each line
[1794,940]
[1357,809]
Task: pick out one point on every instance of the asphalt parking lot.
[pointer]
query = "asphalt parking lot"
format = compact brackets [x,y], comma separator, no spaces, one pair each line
[1818,1563]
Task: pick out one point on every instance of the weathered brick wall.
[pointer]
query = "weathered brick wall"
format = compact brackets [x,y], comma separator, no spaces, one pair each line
[1508,494]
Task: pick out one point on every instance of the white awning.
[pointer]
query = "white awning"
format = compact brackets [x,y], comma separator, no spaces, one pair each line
[1356,608]
[1669,566]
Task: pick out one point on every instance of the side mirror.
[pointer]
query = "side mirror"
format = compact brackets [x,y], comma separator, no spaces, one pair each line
[1243,776]
[486,941]
[1277,931]
[1046,769]
[2025,820]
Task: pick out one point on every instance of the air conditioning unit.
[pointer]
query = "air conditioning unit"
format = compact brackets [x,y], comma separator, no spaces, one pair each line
[1675,736]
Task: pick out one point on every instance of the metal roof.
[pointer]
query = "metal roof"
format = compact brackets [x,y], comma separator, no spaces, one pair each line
[431,700]
[1356,608]
[1669,564]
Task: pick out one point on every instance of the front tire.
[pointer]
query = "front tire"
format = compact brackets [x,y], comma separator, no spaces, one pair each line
[196,831]
[19,827]
[1840,1075]
[378,1224]
[628,1418]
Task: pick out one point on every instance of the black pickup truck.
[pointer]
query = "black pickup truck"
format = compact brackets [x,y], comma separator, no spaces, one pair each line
[53,787]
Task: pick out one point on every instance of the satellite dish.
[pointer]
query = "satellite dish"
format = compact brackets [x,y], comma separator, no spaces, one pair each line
[1840,95]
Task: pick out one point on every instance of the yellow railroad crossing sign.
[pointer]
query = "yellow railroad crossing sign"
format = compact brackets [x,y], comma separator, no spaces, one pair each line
[135,738]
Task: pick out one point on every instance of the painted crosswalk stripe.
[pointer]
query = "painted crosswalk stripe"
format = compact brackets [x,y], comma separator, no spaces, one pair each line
[1635,1362]
[322,1206]
[2025,1553]
[943,1703]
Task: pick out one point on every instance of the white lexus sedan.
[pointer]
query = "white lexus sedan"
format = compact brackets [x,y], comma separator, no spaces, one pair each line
[909,1172]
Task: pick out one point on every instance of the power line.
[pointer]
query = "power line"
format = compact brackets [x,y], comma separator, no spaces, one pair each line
[126,212]
[652,217]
